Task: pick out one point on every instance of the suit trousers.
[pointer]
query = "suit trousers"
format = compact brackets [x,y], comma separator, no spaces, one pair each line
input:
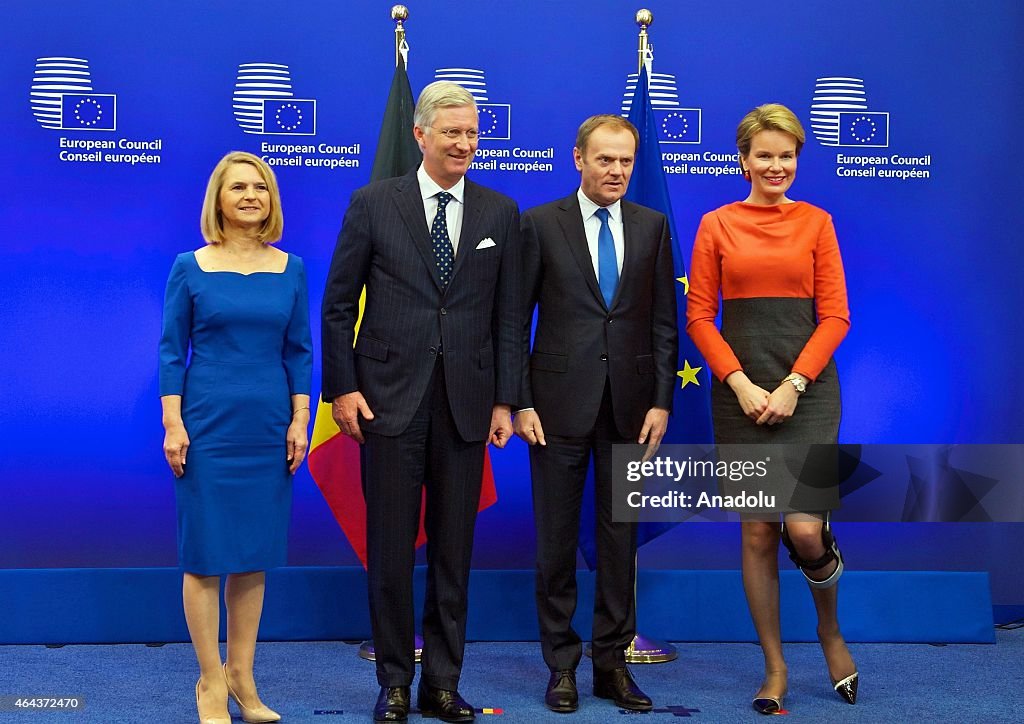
[429,454]
[559,472]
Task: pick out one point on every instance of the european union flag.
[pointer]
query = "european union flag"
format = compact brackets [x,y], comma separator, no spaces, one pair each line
[289,117]
[495,121]
[691,410]
[678,125]
[864,128]
[88,112]
[691,415]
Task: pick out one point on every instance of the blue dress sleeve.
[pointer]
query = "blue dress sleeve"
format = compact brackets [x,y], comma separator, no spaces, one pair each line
[176,330]
[298,344]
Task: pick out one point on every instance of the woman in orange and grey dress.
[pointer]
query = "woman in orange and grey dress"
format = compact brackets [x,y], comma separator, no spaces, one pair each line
[775,263]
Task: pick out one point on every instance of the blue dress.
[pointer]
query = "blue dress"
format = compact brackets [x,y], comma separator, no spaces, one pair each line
[250,351]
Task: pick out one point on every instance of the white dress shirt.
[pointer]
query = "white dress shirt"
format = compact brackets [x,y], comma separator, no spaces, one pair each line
[592,225]
[429,189]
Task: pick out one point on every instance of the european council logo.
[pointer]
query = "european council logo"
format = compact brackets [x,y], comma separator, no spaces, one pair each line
[264,102]
[840,115]
[62,97]
[675,123]
[495,118]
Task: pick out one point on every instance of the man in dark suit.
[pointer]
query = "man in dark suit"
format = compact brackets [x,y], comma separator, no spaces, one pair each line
[599,270]
[429,381]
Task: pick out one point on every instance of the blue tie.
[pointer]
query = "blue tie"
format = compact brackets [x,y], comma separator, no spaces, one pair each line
[607,266]
[441,242]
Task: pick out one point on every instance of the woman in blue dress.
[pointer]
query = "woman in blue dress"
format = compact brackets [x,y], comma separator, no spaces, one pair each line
[235,369]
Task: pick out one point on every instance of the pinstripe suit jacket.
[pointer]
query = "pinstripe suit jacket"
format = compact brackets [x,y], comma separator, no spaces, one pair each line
[581,342]
[384,244]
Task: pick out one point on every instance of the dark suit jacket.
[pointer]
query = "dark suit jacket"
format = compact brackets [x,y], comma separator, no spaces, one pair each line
[579,341]
[384,244]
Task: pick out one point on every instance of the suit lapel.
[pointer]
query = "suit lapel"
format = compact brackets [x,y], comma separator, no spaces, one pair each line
[410,208]
[630,245]
[472,212]
[571,221]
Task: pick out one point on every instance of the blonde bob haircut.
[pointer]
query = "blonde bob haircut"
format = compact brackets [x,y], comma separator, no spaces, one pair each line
[211,223]
[768,117]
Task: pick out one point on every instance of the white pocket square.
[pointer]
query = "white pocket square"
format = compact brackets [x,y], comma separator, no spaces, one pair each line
[486,244]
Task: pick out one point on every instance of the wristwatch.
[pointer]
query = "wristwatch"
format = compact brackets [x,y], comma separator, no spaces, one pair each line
[798,383]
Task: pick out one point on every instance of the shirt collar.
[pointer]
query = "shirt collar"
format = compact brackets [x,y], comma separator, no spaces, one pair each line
[429,187]
[589,208]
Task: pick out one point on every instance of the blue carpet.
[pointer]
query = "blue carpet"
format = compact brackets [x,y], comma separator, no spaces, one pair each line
[325,683]
[142,605]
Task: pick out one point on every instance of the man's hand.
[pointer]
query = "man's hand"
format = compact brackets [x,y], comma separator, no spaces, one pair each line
[527,426]
[501,425]
[655,425]
[346,409]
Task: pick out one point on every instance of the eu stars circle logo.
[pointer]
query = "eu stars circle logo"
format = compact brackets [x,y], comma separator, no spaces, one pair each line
[88,112]
[288,117]
[674,126]
[863,129]
[488,121]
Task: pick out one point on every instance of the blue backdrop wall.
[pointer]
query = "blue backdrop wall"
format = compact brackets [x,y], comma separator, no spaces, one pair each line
[929,225]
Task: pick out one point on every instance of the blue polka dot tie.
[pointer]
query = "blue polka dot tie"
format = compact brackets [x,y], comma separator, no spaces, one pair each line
[440,241]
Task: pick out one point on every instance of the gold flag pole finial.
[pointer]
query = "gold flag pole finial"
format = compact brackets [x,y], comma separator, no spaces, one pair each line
[400,13]
[644,18]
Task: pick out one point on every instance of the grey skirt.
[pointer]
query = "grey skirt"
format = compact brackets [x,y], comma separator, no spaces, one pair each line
[767,335]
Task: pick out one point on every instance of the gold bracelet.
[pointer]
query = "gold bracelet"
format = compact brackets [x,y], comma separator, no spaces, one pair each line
[300,409]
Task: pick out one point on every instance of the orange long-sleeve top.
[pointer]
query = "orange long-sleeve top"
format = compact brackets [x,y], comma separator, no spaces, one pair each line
[745,251]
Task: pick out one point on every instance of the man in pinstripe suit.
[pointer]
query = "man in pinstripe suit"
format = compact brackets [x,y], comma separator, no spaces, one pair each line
[429,381]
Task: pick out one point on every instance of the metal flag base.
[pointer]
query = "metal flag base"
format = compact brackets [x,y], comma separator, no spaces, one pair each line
[642,650]
[366,650]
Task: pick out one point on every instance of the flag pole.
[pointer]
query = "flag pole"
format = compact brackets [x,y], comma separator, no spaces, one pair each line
[644,18]
[399,13]
[643,650]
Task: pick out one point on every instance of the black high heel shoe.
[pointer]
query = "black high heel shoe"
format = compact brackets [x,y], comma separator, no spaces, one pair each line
[847,688]
[767,704]
[764,704]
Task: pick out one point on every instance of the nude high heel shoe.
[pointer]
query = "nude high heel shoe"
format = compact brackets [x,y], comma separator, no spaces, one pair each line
[261,714]
[208,719]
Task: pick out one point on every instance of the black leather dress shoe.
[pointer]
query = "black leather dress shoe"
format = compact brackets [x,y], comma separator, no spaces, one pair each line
[445,705]
[561,695]
[392,704]
[618,685]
